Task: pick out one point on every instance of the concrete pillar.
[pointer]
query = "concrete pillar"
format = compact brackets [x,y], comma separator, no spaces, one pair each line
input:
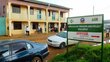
[9,18]
[59,23]
[47,28]
[10,28]
[28,13]
[29,23]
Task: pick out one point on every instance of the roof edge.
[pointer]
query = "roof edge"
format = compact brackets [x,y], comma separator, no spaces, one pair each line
[47,4]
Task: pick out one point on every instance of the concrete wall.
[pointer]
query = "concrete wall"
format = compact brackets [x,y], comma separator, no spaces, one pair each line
[3,3]
[20,16]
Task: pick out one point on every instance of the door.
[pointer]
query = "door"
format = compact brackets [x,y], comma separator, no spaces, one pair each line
[20,52]
[5,55]
[2,26]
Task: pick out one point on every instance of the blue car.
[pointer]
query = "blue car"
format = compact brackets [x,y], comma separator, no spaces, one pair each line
[22,51]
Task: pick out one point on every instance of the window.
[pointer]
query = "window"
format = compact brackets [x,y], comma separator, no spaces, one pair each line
[39,11]
[34,25]
[31,11]
[62,34]
[29,46]
[49,13]
[4,50]
[53,15]
[61,14]
[3,9]
[16,9]
[17,25]
[39,14]
[18,47]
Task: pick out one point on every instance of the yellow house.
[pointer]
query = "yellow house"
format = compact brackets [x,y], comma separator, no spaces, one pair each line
[32,13]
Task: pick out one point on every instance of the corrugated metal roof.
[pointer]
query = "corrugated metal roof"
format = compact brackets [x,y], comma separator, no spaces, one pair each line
[46,4]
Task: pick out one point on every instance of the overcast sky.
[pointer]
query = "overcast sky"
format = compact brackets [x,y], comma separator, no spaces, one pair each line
[85,7]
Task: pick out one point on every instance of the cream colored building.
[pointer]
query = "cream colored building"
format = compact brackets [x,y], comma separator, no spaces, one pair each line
[22,13]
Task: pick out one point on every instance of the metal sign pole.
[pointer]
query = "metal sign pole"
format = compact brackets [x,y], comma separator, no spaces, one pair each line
[102,45]
[67,41]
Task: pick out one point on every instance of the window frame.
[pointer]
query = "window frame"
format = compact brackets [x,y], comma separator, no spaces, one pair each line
[34,25]
[4,7]
[16,9]
[53,15]
[49,13]
[9,50]
[17,25]
[39,14]
[31,11]
[30,45]
[61,14]
[20,51]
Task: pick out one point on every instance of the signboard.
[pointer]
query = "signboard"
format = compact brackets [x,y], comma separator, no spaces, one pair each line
[87,28]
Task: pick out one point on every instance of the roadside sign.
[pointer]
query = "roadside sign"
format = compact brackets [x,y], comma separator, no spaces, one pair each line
[86,28]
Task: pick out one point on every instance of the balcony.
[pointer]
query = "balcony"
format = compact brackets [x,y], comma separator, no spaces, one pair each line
[18,16]
[63,19]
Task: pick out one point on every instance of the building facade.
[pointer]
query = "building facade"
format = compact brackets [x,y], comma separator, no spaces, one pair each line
[32,13]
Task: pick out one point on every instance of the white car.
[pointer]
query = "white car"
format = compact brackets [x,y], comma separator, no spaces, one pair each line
[60,40]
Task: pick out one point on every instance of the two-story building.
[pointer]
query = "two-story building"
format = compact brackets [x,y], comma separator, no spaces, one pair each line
[32,13]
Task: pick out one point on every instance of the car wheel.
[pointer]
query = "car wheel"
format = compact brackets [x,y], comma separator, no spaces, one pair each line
[37,59]
[62,45]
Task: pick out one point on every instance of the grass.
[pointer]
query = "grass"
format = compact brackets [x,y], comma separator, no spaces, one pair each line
[84,53]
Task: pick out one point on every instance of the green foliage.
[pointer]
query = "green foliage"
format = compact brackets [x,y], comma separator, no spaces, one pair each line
[84,53]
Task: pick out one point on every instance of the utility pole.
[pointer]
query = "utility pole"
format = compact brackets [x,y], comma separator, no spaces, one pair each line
[93,9]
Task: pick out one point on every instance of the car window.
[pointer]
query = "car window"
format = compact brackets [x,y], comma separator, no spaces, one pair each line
[18,47]
[62,34]
[4,50]
[29,46]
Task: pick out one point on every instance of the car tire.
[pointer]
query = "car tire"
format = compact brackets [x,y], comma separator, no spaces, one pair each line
[62,45]
[37,59]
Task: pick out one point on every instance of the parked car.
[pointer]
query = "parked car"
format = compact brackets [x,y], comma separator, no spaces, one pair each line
[22,51]
[60,40]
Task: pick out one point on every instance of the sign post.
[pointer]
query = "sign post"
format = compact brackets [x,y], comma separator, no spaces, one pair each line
[86,28]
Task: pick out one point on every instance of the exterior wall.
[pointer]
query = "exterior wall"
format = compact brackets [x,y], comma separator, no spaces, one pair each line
[34,17]
[23,16]
[22,31]
[3,3]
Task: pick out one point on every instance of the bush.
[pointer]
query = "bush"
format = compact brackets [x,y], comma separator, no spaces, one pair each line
[84,53]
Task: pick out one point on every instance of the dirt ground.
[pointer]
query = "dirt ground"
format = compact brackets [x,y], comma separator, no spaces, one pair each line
[41,38]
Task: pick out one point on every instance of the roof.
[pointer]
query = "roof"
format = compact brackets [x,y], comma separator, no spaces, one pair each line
[3,42]
[46,4]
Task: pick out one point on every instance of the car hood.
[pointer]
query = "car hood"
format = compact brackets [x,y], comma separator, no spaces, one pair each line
[40,46]
[56,38]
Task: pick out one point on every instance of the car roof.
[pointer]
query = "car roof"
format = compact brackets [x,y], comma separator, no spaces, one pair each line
[3,42]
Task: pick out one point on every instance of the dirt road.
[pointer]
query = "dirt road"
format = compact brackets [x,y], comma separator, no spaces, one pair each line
[41,38]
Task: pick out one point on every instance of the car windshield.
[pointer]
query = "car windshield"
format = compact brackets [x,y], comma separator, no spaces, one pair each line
[62,34]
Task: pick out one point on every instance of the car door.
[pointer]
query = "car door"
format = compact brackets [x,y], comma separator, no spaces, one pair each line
[20,52]
[5,55]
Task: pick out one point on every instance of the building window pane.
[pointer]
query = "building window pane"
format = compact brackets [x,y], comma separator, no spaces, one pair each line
[49,13]
[31,11]
[53,15]
[17,25]
[16,9]
[39,14]
[61,14]
[3,9]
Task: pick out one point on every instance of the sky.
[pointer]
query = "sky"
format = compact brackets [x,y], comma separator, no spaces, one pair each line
[85,7]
